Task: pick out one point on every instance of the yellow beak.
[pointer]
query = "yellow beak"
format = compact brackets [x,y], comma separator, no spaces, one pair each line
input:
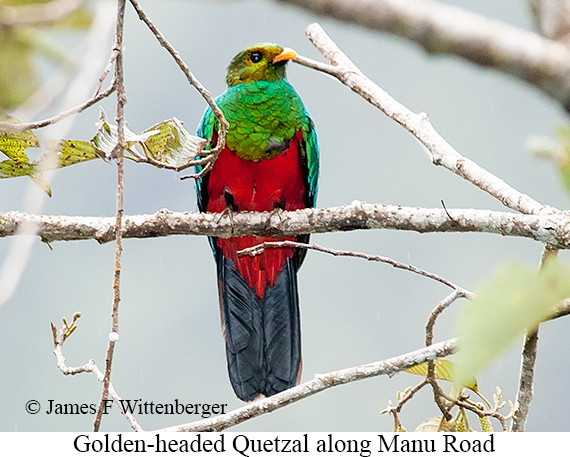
[286,54]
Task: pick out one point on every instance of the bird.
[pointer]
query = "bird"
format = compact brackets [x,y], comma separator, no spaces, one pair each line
[270,162]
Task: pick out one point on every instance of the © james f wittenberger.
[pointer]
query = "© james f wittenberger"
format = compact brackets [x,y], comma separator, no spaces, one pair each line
[176,407]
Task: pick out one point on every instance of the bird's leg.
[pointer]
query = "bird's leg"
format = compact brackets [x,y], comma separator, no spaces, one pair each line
[230,209]
[277,211]
[229,213]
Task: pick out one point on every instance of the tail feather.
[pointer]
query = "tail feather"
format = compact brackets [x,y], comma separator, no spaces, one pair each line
[263,341]
[282,332]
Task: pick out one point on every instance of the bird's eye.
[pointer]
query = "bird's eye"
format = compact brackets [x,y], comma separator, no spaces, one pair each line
[256,56]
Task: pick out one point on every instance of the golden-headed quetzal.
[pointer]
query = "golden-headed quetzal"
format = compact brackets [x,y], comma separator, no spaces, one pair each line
[270,162]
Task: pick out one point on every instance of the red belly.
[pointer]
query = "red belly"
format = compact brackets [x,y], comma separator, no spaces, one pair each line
[258,186]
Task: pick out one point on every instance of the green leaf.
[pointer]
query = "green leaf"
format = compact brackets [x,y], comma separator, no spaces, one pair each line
[12,169]
[107,136]
[39,180]
[166,142]
[444,370]
[169,142]
[14,143]
[70,152]
[515,300]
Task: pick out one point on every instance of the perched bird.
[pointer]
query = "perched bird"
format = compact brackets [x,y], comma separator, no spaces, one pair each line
[269,163]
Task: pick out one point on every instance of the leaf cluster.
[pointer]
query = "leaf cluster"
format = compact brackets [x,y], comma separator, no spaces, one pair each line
[165,144]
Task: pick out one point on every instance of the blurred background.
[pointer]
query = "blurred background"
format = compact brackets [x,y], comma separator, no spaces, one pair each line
[353,312]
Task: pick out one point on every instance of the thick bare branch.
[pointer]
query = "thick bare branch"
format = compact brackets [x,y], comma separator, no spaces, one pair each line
[553,229]
[318,384]
[446,29]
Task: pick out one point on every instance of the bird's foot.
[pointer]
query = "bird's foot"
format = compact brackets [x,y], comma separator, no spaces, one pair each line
[271,230]
[226,213]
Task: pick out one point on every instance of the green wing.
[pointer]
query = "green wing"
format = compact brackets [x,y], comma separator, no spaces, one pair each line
[205,130]
[312,158]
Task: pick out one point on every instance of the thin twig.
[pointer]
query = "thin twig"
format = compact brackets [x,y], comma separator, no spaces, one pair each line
[444,304]
[561,310]
[258,249]
[106,71]
[480,412]
[118,153]
[410,393]
[52,120]
[430,376]
[438,394]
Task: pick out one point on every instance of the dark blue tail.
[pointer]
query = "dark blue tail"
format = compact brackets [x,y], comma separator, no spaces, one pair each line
[263,339]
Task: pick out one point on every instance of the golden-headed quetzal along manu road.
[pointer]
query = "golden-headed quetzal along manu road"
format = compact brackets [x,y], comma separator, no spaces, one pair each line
[270,161]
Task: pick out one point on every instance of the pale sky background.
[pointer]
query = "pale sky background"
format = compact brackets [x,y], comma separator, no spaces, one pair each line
[353,311]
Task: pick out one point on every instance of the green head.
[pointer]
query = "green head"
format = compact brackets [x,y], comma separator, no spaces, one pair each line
[260,62]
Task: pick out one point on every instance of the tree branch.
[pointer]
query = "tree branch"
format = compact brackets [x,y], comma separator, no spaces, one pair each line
[260,248]
[319,383]
[528,363]
[440,308]
[118,153]
[59,117]
[552,18]
[553,229]
[446,29]
[439,150]
[430,377]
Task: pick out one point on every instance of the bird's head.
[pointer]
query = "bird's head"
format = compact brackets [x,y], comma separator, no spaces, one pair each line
[260,62]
